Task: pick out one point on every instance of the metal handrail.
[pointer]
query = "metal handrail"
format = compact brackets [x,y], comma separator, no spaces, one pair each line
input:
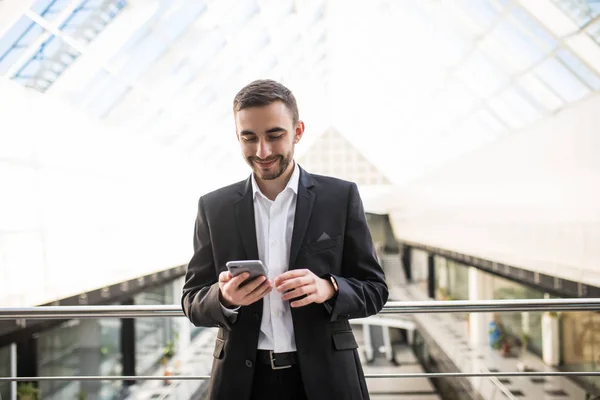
[368,376]
[392,307]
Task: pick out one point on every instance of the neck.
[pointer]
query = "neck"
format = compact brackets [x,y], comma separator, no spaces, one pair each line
[271,188]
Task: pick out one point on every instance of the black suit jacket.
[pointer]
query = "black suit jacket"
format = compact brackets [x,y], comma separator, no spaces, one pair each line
[326,346]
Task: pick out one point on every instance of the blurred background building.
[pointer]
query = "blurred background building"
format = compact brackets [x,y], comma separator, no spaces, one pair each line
[471,126]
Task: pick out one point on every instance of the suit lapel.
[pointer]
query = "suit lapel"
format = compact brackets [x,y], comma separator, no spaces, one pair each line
[304,204]
[244,216]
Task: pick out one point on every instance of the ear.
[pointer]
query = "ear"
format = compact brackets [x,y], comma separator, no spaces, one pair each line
[299,131]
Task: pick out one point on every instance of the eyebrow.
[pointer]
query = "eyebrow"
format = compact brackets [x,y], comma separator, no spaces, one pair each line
[276,129]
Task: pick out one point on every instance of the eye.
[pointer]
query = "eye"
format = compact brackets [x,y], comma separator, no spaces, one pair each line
[249,139]
[275,137]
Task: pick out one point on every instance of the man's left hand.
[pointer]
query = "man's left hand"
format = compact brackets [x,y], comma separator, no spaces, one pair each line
[299,282]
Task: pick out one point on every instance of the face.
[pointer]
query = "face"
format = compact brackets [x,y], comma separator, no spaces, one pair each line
[267,137]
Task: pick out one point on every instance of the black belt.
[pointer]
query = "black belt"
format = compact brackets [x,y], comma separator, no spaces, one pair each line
[276,360]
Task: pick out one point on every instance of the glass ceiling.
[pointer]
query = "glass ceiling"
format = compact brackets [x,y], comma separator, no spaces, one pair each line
[410,83]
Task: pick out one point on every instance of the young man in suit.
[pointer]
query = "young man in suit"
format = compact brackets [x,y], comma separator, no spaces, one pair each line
[286,335]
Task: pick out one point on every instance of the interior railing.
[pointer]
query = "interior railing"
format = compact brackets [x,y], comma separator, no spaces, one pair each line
[21,314]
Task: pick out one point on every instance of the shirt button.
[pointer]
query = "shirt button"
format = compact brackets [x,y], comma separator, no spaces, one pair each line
[248,363]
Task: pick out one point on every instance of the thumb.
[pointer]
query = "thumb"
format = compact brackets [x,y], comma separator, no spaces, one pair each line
[224,276]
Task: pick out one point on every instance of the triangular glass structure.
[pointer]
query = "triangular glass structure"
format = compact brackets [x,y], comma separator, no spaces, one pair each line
[333,155]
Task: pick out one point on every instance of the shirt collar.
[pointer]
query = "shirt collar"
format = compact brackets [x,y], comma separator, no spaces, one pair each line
[292,183]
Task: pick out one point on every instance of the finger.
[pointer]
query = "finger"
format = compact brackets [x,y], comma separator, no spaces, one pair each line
[263,290]
[308,289]
[259,292]
[295,273]
[262,284]
[250,286]
[242,295]
[239,279]
[242,279]
[225,276]
[232,287]
[303,302]
[293,283]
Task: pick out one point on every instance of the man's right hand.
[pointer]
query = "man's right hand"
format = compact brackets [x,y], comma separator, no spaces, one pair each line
[232,295]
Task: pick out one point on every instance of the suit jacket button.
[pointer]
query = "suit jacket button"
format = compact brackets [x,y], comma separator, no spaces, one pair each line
[248,363]
[256,316]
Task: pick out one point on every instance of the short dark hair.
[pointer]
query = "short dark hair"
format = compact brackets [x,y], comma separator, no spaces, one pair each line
[264,92]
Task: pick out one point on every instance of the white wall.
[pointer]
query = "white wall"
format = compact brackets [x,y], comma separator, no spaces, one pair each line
[83,206]
[531,199]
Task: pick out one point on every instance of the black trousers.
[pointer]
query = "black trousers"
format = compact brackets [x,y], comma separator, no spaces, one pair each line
[280,384]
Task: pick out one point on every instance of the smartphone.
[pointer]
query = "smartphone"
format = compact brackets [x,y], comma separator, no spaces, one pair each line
[255,267]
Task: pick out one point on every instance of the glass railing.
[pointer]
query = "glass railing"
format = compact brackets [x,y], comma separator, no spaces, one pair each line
[22,314]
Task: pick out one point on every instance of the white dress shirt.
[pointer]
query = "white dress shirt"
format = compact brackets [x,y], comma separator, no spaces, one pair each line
[274,223]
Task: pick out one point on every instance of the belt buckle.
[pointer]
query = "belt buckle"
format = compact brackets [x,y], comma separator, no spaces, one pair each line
[272,358]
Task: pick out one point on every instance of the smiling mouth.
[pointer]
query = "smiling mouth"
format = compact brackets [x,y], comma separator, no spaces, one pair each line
[265,164]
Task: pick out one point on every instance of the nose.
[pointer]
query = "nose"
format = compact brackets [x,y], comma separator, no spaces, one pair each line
[263,150]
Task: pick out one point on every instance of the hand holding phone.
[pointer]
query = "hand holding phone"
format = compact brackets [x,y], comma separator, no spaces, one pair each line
[244,283]
[254,267]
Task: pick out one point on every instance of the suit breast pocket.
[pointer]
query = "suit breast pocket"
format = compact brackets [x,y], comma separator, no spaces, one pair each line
[323,245]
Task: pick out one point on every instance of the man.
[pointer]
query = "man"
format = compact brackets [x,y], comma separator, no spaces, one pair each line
[286,335]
